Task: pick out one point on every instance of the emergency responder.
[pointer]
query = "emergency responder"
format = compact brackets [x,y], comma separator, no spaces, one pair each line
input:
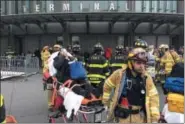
[2,110]
[55,48]
[174,54]
[135,98]
[45,54]
[150,66]
[119,59]
[166,60]
[97,68]
[158,54]
[166,64]
[76,52]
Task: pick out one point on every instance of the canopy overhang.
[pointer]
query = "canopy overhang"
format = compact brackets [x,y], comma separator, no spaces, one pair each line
[111,17]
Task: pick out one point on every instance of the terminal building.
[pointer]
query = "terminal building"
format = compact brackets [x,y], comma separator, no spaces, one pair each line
[27,25]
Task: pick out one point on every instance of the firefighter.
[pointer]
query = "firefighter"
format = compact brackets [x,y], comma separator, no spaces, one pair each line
[56,48]
[150,67]
[166,64]
[97,68]
[119,59]
[174,54]
[76,52]
[166,60]
[158,56]
[2,110]
[135,98]
[45,54]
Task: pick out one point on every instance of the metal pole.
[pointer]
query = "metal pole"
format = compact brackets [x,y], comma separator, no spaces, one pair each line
[25,70]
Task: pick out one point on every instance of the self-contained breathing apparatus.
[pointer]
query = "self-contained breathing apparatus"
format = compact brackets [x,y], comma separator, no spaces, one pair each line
[134,91]
[133,94]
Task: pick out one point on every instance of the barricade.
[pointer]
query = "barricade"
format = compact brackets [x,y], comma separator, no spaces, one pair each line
[18,66]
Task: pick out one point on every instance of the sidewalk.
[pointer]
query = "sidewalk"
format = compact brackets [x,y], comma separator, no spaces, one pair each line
[10,74]
[25,100]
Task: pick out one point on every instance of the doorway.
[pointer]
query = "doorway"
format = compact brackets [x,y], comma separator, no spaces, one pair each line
[18,45]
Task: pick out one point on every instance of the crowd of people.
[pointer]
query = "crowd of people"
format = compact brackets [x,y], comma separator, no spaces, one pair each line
[131,72]
[124,79]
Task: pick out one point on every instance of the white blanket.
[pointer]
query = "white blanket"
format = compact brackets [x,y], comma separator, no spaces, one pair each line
[172,117]
[52,70]
[71,100]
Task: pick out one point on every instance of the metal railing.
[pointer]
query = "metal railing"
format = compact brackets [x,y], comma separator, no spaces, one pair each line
[18,66]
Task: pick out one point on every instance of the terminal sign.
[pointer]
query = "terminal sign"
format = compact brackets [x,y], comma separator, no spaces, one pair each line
[66,7]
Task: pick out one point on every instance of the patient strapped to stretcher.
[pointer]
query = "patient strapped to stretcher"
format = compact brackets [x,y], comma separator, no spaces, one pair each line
[71,100]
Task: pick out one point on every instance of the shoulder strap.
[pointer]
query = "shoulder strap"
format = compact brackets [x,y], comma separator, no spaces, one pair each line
[122,84]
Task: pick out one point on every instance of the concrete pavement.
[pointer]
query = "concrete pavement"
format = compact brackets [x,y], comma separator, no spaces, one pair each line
[28,102]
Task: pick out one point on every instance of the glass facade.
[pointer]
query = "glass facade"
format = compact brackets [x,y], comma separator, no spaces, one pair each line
[47,6]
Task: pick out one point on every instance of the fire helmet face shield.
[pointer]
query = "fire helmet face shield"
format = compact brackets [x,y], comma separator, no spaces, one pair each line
[138,54]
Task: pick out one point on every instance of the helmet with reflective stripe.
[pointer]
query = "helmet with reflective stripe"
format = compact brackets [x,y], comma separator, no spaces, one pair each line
[140,43]
[76,48]
[98,47]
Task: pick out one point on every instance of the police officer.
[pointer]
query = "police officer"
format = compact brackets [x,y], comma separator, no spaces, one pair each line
[119,59]
[97,67]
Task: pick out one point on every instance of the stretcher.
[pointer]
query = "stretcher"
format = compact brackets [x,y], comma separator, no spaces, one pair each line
[88,107]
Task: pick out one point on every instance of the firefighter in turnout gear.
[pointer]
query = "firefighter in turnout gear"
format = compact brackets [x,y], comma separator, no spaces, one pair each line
[166,64]
[119,59]
[174,54]
[55,48]
[45,54]
[76,52]
[135,98]
[97,67]
[2,110]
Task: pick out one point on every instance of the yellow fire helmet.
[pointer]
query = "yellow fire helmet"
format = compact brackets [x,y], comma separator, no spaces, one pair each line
[166,46]
[137,54]
[161,46]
